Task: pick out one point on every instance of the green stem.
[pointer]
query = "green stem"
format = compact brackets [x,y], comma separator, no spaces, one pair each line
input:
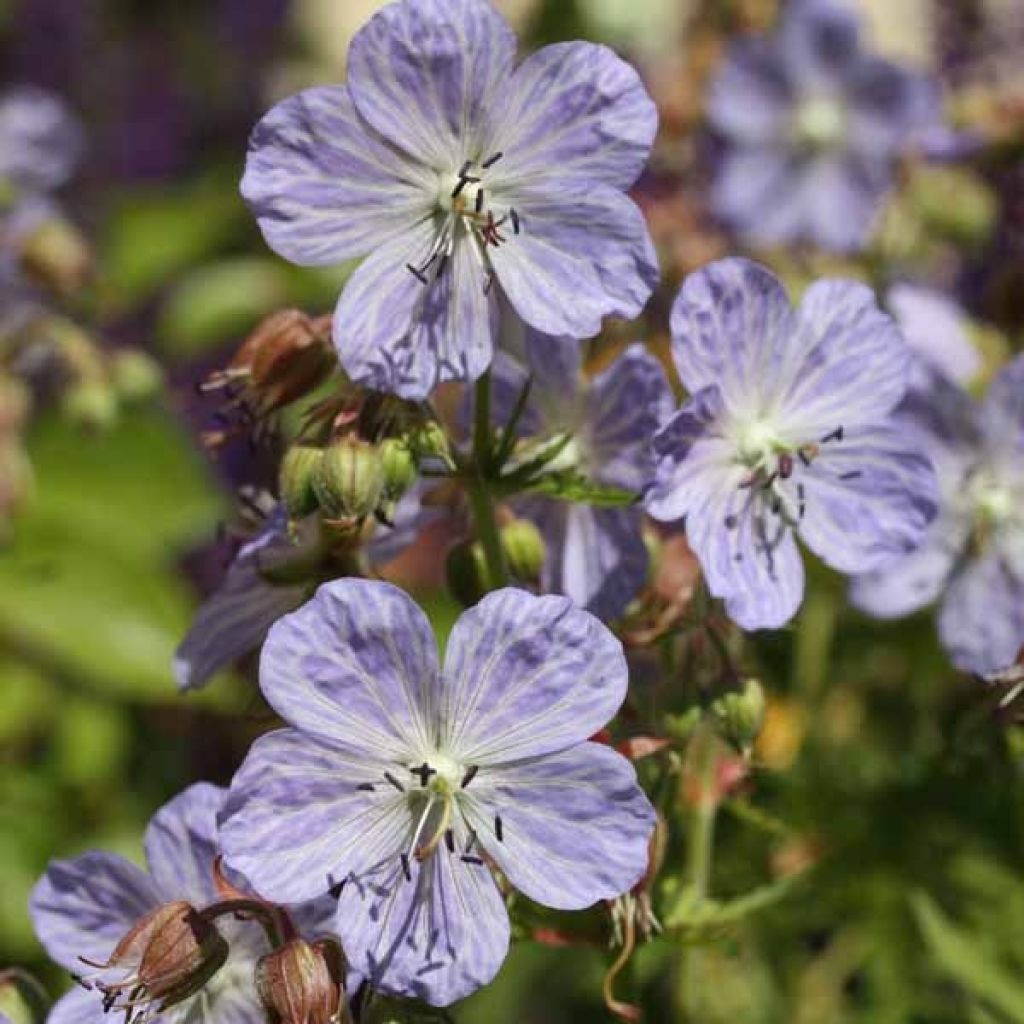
[481,499]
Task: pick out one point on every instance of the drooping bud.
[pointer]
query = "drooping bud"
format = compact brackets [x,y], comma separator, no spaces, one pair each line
[303,983]
[398,466]
[739,715]
[22,999]
[167,956]
[56,254]
[524,550]
[348,480]
[295,480]
[466,572]
[389,1010]
[136,376]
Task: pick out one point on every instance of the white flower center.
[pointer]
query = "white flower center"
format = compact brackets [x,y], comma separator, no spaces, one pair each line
[758,442]
[820,122]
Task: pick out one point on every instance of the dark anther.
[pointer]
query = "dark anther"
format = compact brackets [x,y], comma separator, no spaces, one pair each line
[464,169]
[334,888]
[776,507]
[491,160]
[498,828]
[800,494]
[488,283]
[470,775]
[394,782]
[424,772]
[803,457]
[442,263]
[836,435]
[366,787]
[471,860]
[405,867]
[479,200]
[418,274]
[515,220]
[449,840]
[785,466]
[731,522]
[851,475]
[472,841]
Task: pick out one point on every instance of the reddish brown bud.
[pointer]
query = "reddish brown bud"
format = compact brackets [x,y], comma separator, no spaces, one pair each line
[167,956]
[303,983]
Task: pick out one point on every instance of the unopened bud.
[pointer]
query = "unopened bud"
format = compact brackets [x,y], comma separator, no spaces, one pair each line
[466,571]
[524,549]
[303,983]
[90,404]
[136,376]
[169,955]
[389,1010]
[954,203]
[429,441]
[739,715]
[398,467]
[57,255]
[22,999]
[298,467]
[348,480]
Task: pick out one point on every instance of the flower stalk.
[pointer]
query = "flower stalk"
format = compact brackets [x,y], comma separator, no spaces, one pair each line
[481,498]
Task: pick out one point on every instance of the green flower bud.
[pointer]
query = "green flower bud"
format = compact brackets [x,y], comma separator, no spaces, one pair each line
[398,467]
[466,570]
[57,255]
[739,715]
[348,480]
[682,727]
[303,983]
[91,404]
[388,1010]
[429,440]
[524,550]
[953,203]
[136,376]
[22,999]
[295,480]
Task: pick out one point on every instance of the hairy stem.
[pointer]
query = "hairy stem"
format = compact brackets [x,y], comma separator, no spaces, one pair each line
[481,498]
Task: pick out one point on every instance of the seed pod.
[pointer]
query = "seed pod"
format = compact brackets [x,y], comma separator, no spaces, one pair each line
[348,480]
[22,999]
[739,715]
[524,550]
[303,983]
[295,480]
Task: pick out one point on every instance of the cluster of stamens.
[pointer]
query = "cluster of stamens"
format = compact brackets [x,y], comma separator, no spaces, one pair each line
[465,204]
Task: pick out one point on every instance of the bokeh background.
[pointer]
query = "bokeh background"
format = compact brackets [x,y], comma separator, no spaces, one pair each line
[898,780]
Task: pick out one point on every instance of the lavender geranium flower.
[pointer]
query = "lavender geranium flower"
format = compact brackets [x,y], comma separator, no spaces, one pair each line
[787,432]
[40,140]
[405,780]
[972,558]
[270,576]
[83,907]
[449,167]
[812,127]
[595,555]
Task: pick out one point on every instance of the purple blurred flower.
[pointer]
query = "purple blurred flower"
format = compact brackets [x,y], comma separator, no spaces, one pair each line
[596,556]
[813,126]
[936,328]
[787,432]
[270,576]
[85,906]
[972,558]
[40,140]
[403,779]
[447,167]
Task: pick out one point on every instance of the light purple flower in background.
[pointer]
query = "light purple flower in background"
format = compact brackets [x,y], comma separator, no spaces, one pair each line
[972,558]
[936,328]
[595,555]
[787,433]
[405,780]
[270,576]
[85,906]
[813,126]
[450,168]
[40,140]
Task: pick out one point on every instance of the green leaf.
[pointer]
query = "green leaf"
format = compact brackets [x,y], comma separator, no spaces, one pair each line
[571,486]
[958,954]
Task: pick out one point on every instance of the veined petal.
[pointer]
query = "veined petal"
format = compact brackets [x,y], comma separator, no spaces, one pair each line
[296,821]
[820,42]
[556,366]
[916,581]
[77,1007]
[731,324]
[981,622]
[750,97]
[590,243]
[437,936]
[869,500]
[356,668]
[84,907]
[753,192]
[424,72]
[575,826]
[935,328]
[181,844]
[1002,414]
[230,997]
[847,364]
[527,675]
[324,187]
[395,334]
[573,112]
